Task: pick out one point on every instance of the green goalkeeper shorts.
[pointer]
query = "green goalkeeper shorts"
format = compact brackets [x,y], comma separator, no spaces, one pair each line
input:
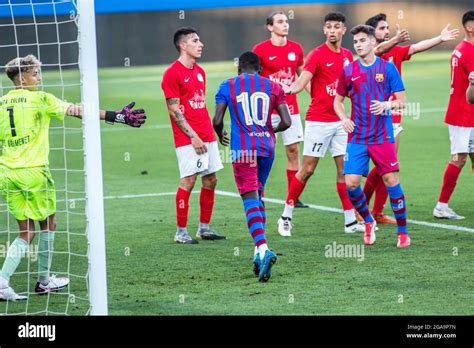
[28,192]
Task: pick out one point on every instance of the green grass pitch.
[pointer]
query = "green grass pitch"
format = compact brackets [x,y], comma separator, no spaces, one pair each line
[149,274]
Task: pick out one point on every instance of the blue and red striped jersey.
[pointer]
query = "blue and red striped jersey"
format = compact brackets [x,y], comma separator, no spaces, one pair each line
[363,84]
[251,99]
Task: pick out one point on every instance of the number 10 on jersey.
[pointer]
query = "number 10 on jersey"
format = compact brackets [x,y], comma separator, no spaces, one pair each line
[251,110]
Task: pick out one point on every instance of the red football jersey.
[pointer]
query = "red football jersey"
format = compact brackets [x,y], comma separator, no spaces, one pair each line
[460,113]
[326,66]
[189,85]
[279,64]
[397,55]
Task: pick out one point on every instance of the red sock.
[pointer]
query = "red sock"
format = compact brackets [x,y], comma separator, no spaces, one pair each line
[290,174]
[371,183]
[450,179]
[206,202]
[294,192]
[182,207]
[381,196]
[344,197]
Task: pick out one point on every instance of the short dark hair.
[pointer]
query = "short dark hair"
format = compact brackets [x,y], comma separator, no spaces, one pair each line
[180,34]
[249,61]
[374,20]
[335,16]
[273,14]
[363,28]
[468,16]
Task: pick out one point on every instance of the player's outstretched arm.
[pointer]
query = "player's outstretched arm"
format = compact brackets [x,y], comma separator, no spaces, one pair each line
[400,37]
[446,35]
[284,114]
[299,84]
[178,118]
[340,110]
[128,115]
[470,89]
[218,123]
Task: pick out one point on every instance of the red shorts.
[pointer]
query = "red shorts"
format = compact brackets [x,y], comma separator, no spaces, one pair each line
[384,156]
[252,175]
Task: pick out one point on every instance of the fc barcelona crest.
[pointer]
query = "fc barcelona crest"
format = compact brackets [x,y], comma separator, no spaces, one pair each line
[379,77]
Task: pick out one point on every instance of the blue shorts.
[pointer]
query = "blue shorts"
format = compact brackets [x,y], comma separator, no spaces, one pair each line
[384,156]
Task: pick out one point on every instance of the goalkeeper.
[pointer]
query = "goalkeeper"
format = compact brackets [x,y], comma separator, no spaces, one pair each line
[26,183]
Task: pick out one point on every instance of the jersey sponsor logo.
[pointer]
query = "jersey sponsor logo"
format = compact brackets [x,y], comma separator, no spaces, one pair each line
[198,101]
[259,134]
[292,56]
[283,76]
[331,88]
[355,78]
[186,80]
[200,77]
[272,57]
[18,142]
[379,77]
[329,64]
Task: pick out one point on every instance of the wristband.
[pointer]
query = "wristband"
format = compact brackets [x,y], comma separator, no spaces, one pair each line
[110,117]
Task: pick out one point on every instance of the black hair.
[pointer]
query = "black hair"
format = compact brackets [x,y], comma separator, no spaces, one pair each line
[335,16]
[374,20]
[468,16]
[273,14]
[249,61]
[363,28]
[180,34]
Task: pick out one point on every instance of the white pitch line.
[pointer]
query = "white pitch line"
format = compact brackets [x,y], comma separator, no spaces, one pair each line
[281,202]
[312,206]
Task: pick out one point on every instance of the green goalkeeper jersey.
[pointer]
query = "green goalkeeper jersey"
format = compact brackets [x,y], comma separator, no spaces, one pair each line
[24,127]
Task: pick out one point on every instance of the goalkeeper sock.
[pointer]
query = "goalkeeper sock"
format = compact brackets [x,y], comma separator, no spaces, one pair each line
[14,254]
[45,255]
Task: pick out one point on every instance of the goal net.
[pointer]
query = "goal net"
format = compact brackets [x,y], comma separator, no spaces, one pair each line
[52,31]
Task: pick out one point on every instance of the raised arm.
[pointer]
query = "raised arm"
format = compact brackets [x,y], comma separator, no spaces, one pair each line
[128,115]
[400,37]
[446,35]
[178,118]
[470,89]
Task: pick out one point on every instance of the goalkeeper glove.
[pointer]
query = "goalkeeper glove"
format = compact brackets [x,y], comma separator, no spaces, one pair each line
[132,117]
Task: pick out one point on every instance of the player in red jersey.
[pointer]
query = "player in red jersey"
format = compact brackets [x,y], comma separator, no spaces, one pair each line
[396,55]
[184,87]
[470,89]
[281,61]
[459,117]
[323,127]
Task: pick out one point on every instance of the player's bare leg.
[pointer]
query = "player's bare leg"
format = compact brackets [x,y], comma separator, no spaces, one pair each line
[296,188]
[206,203]
[185,188]
[451,174]
[292,167]
[359,202]
[398,204]
[351,223]
[15,252]
[47,283]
